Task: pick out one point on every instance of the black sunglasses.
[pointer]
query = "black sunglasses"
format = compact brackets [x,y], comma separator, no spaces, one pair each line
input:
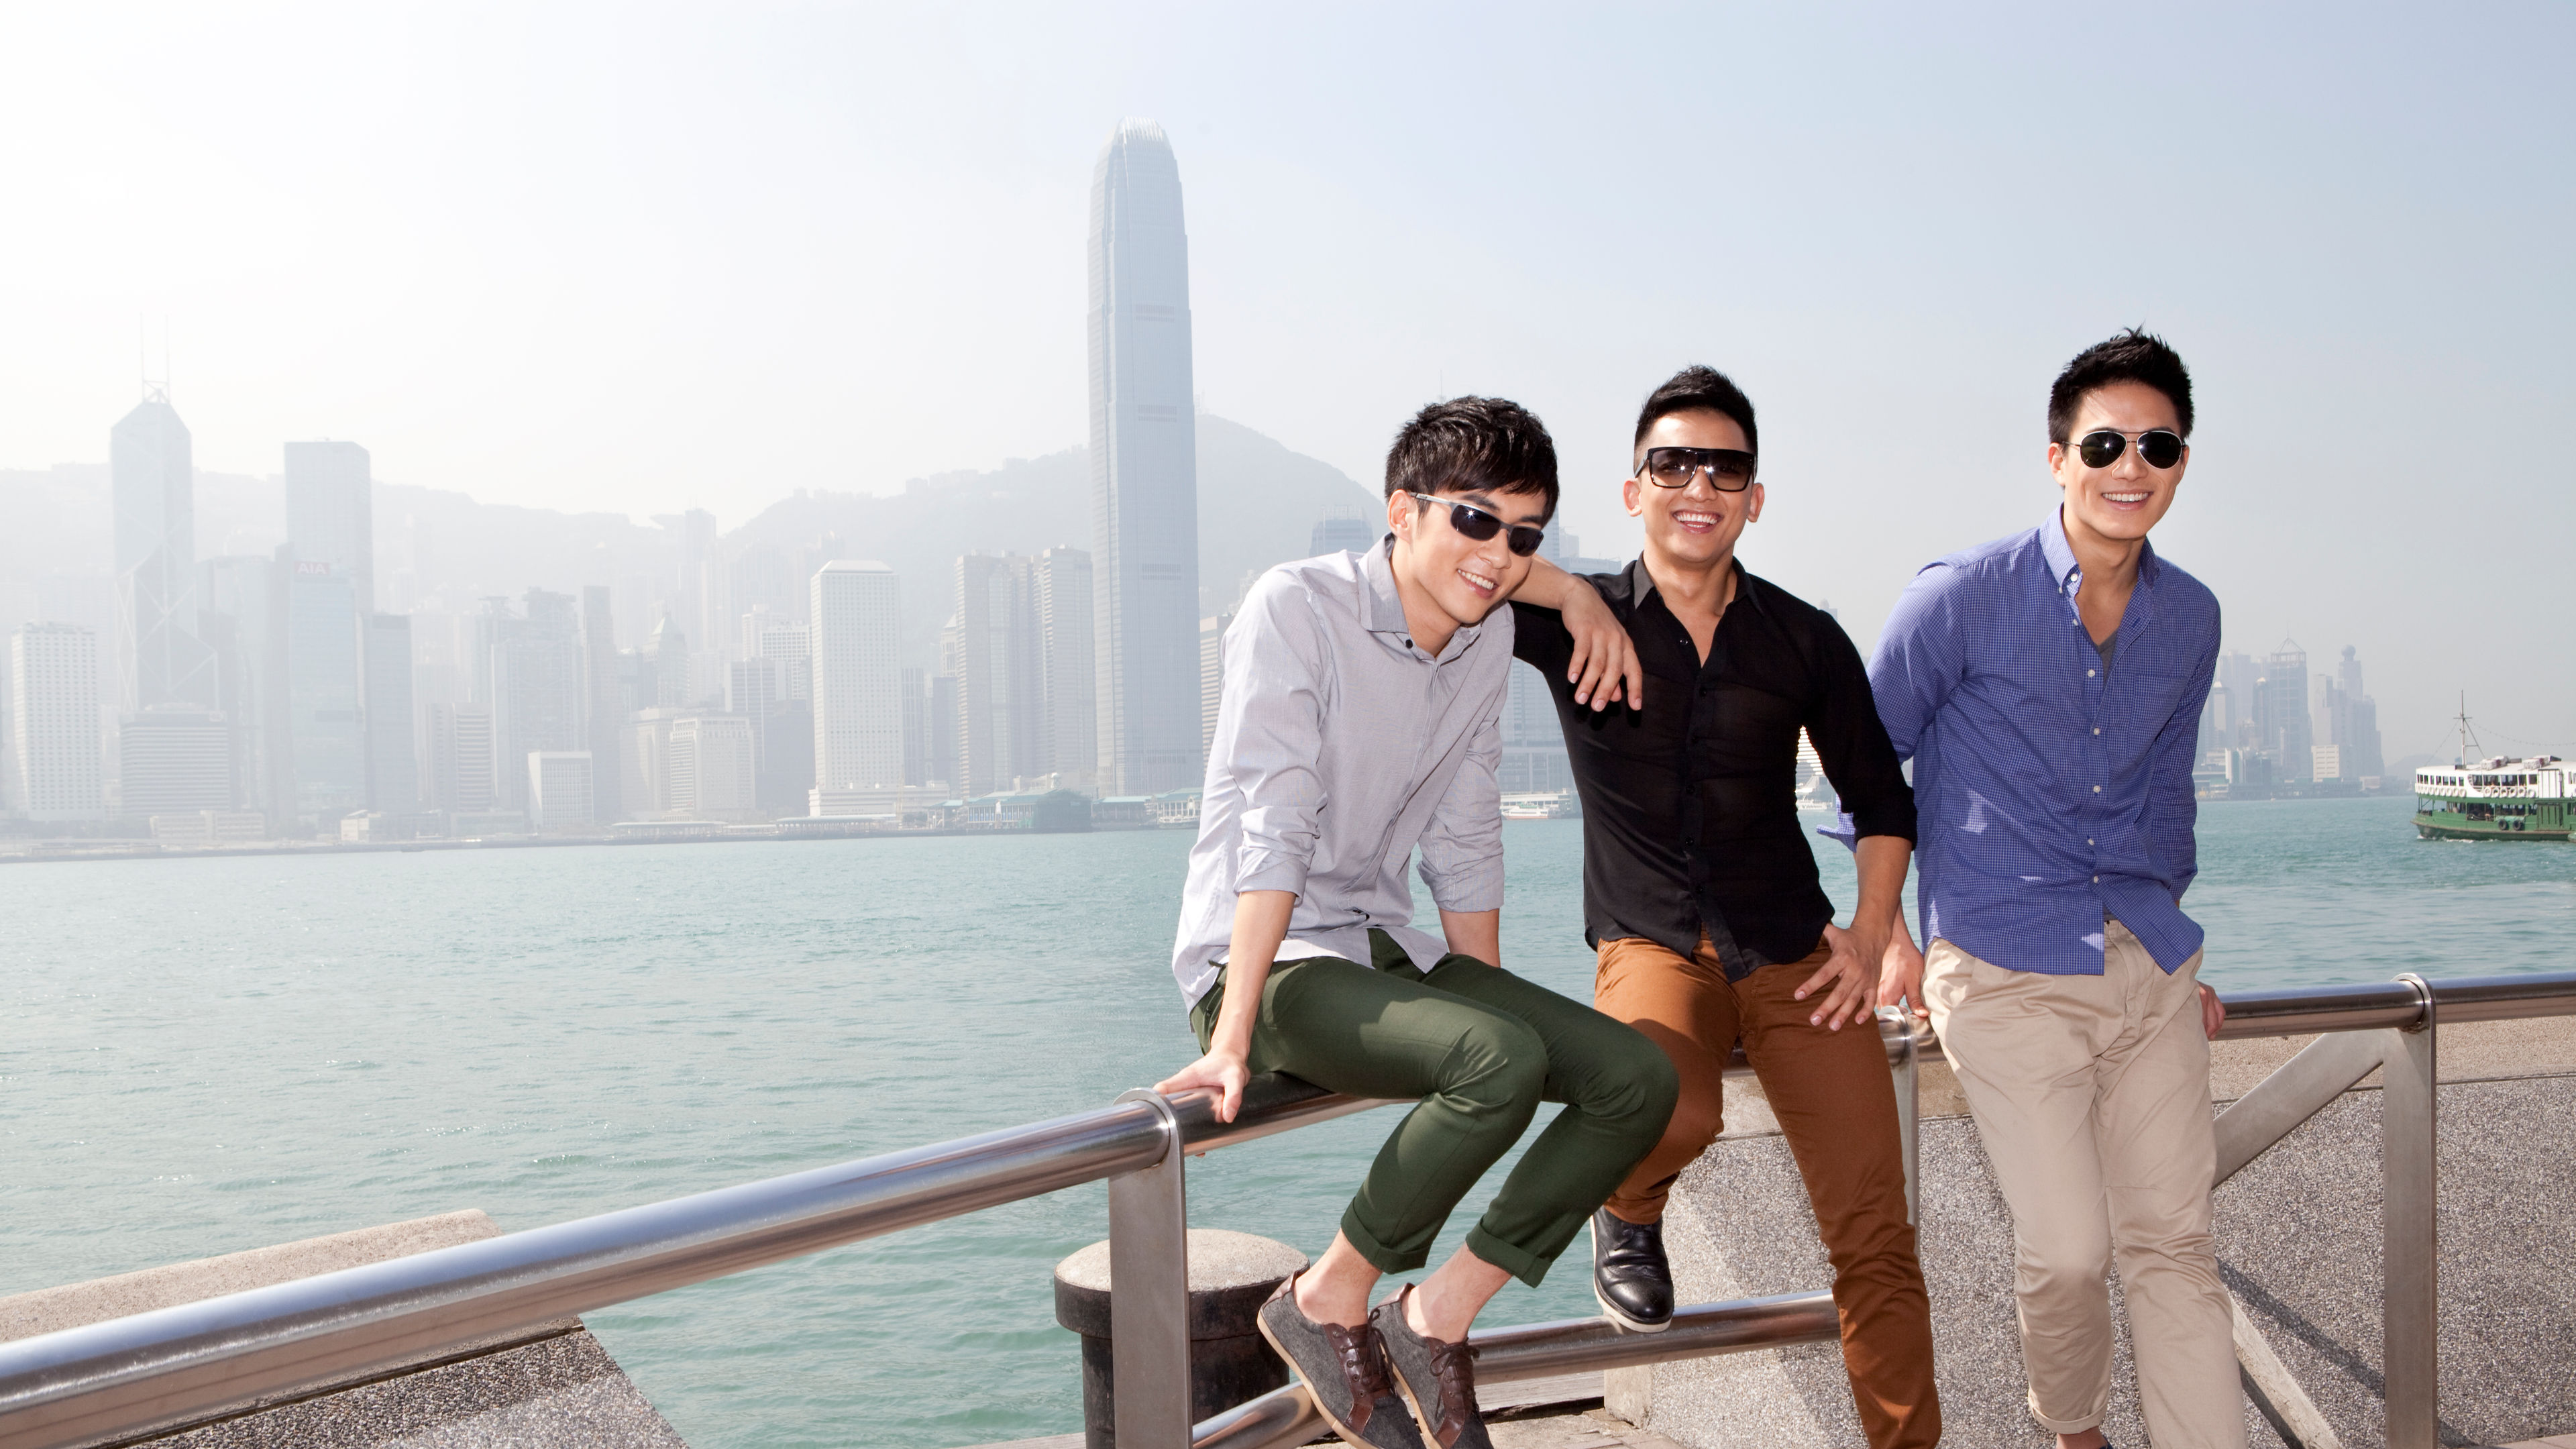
[1479,525]
[1729,470]
[2158,447]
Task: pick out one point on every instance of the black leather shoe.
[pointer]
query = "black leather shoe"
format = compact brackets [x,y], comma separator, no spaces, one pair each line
[1629,1275]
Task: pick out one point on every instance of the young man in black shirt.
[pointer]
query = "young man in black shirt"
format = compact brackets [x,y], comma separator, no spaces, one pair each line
[1701,894]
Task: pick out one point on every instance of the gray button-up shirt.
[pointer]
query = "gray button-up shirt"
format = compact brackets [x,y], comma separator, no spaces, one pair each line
[1340,746]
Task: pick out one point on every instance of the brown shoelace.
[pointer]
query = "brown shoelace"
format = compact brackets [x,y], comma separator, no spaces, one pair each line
[1363,1358]
[1454,1365]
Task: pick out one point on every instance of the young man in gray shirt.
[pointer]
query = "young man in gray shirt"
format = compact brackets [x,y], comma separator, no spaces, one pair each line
[1360,720]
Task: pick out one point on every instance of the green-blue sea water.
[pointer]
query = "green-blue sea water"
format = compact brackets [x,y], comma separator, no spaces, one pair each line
[202,1056]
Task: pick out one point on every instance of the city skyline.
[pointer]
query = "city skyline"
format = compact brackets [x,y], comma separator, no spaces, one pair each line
[2357,240]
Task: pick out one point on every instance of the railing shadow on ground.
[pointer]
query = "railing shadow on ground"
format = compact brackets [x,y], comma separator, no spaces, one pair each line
[170,1368]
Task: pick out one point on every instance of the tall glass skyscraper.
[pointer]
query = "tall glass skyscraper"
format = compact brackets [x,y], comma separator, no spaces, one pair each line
[160,659]
[1144,470]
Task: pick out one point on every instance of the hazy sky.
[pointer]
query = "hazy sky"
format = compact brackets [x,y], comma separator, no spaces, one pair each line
[638,258]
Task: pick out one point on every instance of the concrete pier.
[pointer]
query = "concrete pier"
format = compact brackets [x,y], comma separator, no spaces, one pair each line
[552,1387]
[2298,1242]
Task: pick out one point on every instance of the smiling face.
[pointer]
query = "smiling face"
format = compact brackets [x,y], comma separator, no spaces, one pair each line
[2115,506]
[1694,527]
[1456,579]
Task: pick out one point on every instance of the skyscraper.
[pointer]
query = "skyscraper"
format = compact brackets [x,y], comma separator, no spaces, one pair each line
[174,759]
[1144,469]
[160,659]
[53,722]
[1211,678]
[1069,742]
[1345,533]
[242,616]
[330,513]
[991,650]
[858,718]
[325,692]
[2281,711]
[393,766]
[537,688]
[606,705]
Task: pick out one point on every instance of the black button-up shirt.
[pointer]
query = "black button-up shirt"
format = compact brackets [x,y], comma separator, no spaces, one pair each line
[1690,814]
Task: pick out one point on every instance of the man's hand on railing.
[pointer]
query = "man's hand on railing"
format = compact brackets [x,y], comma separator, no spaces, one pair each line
[1223,1070]
[2213,1012]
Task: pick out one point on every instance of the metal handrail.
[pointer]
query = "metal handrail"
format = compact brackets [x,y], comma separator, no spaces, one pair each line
[173,1366]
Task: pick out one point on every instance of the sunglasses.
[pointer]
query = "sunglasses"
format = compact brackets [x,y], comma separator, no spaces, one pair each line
[1478,525]
[1729,470]
[2157,447]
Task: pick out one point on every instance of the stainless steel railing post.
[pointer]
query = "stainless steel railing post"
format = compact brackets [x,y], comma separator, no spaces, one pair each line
[1906,1059]
[1149,1294]
[2410,1347]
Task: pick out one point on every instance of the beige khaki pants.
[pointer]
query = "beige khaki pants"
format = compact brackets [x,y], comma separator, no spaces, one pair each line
[2091,1094]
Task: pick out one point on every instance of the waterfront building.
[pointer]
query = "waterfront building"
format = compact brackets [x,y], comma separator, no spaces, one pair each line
[990,648]
[242,616]
[53,722]
[1144,469]
[151,475]
[605,707]
[916,725]
[670,651]
[393,763]
[1534,760]
[330,513]
[461,758]
[559,790]
[856,614]
[713,774]
[206,828]
[173,759]
[1345,532]
[1068,667]
[2346,720]
[786,757]
[647,757]
[325,694]
[790,641]
[1212,675]
[2281,712]
[538,684]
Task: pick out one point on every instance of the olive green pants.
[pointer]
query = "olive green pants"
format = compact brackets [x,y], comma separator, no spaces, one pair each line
[1480,1048]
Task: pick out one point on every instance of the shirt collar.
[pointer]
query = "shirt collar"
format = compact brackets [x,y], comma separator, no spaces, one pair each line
[1386,606]
[2060,554]
[1641,584]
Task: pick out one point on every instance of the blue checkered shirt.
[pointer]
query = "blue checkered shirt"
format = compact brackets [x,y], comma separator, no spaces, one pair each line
[2050,788]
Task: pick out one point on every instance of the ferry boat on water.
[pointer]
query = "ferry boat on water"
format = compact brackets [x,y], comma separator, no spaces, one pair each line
[2498,798]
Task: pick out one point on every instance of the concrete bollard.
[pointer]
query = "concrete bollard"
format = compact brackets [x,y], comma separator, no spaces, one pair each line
[1231,1274]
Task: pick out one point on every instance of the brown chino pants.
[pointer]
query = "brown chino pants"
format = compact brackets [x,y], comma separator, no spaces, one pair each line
[1836,1103]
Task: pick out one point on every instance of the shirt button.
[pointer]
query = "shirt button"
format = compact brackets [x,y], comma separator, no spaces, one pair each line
[2088,840]
[2097,789]
[2097,729]
[2097,880]
[2088,674]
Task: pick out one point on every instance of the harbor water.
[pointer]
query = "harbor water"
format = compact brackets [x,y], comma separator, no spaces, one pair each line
[201,1056]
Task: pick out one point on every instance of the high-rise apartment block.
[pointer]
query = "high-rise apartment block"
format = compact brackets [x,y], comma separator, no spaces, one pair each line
[330,513]
[151,476]
[2281,712]
[1144,469]
[461,757]
[173,759]
[856,616]
[53,722]
[537,683]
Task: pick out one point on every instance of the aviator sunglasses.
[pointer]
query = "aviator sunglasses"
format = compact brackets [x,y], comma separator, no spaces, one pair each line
[2159,448]
[1478,525]
[1729,470]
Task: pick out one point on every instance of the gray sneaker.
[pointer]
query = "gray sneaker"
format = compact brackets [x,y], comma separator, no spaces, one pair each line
[1439,1377]
[1345,1373]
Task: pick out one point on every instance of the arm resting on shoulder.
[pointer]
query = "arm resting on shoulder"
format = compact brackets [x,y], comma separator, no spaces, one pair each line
[1604,668]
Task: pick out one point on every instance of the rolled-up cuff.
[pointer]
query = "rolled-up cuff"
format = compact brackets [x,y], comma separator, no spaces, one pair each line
[1258,869]
[1477,888]
[1885,820]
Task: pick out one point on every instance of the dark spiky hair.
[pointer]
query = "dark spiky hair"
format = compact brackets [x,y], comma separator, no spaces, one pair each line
[2131,356]
[1472,443]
